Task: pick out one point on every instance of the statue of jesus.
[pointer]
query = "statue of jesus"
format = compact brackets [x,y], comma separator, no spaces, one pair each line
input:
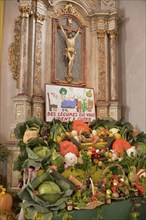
[70,50]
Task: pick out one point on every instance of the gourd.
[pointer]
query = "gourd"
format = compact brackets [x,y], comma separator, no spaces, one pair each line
[6,202]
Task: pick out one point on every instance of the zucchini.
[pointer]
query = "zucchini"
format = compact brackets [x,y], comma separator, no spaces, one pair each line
[110,142]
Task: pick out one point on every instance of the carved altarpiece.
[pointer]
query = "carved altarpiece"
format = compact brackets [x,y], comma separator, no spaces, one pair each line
[36,55]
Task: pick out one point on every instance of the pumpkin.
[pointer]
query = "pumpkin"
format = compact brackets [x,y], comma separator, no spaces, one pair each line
[6,202]
[80,126]
[120,144]
[68,147]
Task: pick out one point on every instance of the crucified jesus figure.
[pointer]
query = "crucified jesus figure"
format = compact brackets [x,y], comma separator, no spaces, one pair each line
[70,50]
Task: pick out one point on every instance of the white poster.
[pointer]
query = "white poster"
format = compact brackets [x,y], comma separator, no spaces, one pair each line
[69,103]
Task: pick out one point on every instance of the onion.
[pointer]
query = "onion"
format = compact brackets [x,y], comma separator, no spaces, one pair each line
[94,132]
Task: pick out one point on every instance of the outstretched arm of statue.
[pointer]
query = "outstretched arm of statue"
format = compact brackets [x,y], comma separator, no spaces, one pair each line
[63,30]
[77,32]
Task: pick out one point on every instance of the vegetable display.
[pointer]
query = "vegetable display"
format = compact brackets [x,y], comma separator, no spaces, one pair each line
[75,165]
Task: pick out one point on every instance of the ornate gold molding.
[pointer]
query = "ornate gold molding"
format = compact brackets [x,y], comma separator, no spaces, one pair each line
[40,17]
[102,70]
[38,71]
[14,52]
[101,33]
[113,33]
[69,9]
[25,11]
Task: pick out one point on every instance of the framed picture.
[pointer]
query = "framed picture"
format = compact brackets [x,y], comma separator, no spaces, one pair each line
[69,103]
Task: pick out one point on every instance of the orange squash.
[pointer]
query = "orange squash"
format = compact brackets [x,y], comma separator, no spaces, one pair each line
[68,147]
[119,145]
[6,202]
[80,126]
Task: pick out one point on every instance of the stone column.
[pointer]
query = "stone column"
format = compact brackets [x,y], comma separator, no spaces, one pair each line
[113,66]
[22,101]
[114,109]
[101,96]
[38,54]
[25,9]
[103,76]
[37,98]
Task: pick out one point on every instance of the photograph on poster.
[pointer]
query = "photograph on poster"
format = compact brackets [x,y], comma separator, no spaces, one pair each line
[67,103]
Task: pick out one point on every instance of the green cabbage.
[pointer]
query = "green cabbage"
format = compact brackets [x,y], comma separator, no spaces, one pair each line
[49,191]
[41,151]
[57,159]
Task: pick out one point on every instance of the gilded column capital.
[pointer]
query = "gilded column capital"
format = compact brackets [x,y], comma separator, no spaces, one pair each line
[40,17]
[101,33]
[25,11]
[113,34]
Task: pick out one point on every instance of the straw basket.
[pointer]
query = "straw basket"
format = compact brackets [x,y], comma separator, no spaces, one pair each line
[122,181]
[115,165]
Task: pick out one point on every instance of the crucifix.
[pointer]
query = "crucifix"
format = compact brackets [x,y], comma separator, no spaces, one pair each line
[70,34]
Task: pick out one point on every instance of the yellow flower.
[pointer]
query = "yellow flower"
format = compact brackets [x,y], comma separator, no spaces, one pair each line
[2,190]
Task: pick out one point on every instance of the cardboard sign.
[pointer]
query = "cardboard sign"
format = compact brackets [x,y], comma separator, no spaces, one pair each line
[69,103]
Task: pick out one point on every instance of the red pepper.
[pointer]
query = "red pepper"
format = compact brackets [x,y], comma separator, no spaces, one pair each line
[114,189]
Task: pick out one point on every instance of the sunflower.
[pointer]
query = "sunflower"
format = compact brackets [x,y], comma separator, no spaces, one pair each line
[2,190]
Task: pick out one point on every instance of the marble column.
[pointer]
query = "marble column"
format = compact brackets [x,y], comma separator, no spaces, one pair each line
[37,96]
[22,101]
[113,66]
[103,77]
[101,66]
[38,54]
[24,36]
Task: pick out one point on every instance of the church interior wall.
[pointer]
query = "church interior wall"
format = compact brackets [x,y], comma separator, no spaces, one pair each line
[132,62]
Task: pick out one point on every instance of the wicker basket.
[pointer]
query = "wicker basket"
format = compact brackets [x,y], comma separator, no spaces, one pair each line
[122,176]
[115,165]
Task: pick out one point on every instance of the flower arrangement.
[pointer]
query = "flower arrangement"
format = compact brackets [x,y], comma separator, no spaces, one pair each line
[75,165]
